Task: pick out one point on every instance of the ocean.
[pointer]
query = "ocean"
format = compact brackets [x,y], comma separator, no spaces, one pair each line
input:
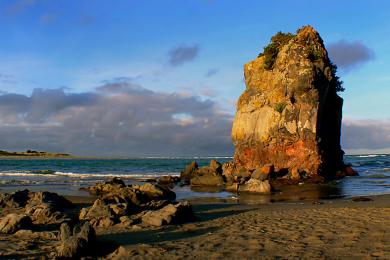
[67,176]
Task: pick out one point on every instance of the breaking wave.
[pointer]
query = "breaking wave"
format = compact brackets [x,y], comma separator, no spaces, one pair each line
[48,173]
[371,155]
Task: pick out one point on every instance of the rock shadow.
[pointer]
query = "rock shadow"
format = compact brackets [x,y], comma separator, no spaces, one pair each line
[152,236]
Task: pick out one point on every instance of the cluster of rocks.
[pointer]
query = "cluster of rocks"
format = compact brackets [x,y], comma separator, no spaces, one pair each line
[39,207]
[128,205]
[288,121]
[117,204]
[229,176]
[235,178]
[33,210]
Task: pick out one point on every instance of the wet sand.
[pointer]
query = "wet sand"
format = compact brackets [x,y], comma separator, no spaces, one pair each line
[334,229]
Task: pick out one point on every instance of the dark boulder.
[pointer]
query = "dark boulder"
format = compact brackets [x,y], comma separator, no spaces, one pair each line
[17,199]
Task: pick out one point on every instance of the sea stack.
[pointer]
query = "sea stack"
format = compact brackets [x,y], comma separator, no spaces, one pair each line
[289,115]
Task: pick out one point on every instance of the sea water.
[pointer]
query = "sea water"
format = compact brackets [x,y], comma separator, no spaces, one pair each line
[67,176]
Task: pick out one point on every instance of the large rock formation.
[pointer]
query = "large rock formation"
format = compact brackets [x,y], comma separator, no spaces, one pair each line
[290,114]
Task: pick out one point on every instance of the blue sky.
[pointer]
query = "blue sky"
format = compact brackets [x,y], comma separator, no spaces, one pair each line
[78,46]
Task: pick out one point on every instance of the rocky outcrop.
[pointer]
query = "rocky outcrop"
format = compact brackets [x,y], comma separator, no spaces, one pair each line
[290,114]
[208,175]
[116,190]
[127,204]
[189,171]
[47,207]
[17,199]
[170,214]
[101,213]
[105,187]
[43,207]
[14,222]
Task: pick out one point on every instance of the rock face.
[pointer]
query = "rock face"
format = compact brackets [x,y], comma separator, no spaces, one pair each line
[290,114]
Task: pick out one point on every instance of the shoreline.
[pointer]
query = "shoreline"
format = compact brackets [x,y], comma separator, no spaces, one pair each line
[369,200]
[283,193]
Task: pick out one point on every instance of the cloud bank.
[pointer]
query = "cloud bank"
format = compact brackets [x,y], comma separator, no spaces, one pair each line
[182,54]
[121,118]
[366,135]
[118,118]
[349,55]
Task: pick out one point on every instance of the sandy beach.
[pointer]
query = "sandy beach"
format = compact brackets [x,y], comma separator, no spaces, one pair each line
[340,228]
[334,229]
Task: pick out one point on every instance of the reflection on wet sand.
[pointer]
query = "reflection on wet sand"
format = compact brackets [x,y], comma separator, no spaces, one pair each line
[283,193]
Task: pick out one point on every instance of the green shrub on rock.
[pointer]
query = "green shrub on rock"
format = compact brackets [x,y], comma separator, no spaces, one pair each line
[271,50]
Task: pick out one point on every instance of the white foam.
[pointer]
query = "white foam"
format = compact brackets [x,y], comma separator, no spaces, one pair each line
[187,158]
[87,175]
[25,174]
[131,176]
[372,155]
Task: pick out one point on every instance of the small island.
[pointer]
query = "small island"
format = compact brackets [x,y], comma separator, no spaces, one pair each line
[32,153]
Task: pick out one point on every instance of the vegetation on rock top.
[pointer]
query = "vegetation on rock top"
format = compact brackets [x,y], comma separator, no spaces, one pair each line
[279,40]
[271,50]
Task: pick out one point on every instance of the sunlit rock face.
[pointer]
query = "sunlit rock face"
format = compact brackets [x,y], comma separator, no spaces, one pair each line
[290,115]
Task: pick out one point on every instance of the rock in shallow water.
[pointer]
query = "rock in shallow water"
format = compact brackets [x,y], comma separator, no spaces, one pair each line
[189,172]
[208,175]
[256,186]
[207,179]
